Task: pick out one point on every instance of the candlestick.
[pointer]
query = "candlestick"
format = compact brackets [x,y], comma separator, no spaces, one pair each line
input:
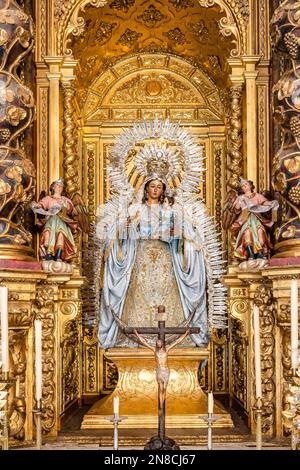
[38,360]
[116,405]
[256,329]
[210,403]
[4,328]
[294,324]
[116,419]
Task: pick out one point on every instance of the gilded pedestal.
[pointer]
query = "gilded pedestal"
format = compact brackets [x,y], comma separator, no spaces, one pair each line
[137,390]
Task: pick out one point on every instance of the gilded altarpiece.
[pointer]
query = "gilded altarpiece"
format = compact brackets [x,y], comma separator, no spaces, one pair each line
[113,90]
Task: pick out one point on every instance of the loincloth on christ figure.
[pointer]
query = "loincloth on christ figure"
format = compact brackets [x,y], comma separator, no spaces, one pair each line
[163,374]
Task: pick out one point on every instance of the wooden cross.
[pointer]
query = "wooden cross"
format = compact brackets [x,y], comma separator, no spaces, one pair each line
[161,356]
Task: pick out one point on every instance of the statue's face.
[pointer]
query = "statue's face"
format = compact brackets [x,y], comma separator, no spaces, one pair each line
[246,187]
[58,188]
[155,189]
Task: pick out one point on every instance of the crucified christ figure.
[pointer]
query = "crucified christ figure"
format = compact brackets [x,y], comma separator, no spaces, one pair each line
[160,350]
[161,356]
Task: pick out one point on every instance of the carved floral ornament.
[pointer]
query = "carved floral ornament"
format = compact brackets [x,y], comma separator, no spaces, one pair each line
[69,20]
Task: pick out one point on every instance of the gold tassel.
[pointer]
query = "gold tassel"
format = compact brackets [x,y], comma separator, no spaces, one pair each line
[274,215]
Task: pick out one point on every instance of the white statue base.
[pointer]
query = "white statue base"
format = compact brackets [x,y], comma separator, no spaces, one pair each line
[253,264]
[57,267]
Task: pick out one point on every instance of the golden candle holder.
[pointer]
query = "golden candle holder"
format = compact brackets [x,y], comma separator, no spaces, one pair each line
[258,409]
[210,420]
[37,412]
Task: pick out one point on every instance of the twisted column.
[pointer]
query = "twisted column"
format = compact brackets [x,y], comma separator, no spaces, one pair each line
[235,137]
[70,157]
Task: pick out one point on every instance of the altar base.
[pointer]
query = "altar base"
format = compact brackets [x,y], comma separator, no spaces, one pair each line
[137,391]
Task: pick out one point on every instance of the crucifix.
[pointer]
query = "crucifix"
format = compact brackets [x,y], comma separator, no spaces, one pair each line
[161,350]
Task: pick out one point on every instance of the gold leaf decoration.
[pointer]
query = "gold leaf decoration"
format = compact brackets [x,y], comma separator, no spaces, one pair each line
[4,187]
[14,115]
[14,173]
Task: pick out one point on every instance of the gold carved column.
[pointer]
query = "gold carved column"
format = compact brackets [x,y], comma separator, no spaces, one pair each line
[235,161]
[281,285]
[53,76]
[42,141]
[71,161]
[251,117]
[235,131]
[263,125]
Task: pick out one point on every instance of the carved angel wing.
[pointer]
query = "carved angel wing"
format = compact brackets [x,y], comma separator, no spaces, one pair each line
[81,213]
[229,216]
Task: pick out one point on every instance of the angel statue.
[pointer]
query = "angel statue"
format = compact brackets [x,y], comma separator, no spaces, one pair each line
[246,215]
[158,244]
[61,217]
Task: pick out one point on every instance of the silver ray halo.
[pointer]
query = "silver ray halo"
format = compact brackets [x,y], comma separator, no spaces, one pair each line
[164,131]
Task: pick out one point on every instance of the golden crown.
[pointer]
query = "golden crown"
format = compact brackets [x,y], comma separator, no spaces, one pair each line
[158,161]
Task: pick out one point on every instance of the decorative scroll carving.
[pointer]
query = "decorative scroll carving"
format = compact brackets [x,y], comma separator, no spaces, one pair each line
[45,311]
[235,136]
[90,150]
[287,375]
[262,28]
[238,307]
[70,163]
[262,101]
[220,340]
[234,23]
[20,316]
[285,32]
[239,369]
[147,89]
[90,343]
[284,314]
[17,111]
[70,362]
[17,398]
[69,21]
[110,375]
[44,137]
[264,299]
[218,149]
[43,27]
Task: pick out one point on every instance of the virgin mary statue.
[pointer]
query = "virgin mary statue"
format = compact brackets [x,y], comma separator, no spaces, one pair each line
[158,244]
